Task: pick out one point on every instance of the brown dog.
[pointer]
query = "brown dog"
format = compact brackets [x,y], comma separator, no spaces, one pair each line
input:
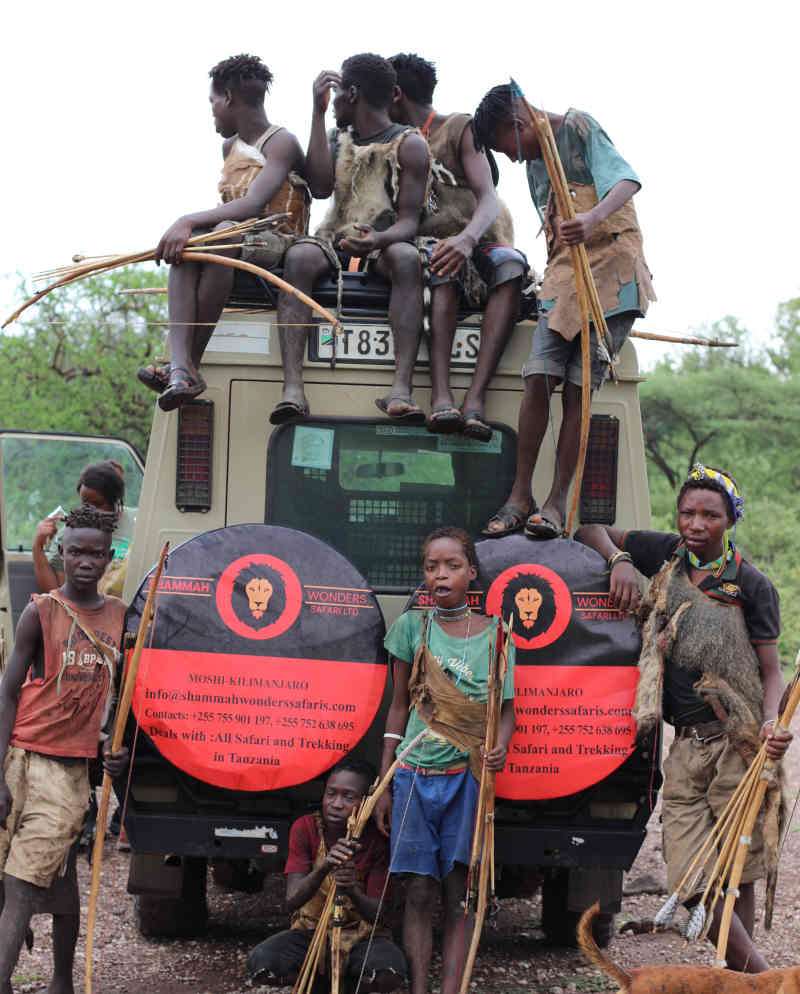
[683,979]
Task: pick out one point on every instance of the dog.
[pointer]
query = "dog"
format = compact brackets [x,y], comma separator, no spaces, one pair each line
[682,979]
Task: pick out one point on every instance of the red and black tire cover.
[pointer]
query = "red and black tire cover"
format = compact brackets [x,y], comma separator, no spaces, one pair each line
[576,659]
[266,664]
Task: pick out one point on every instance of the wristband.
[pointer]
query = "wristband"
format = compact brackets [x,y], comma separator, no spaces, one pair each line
[619,557]
[393,735]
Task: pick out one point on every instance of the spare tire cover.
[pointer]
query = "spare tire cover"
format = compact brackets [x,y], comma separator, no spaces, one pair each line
[576,675]
[266,664]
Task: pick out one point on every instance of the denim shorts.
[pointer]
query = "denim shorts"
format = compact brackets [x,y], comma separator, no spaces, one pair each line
[432,831]
[496,265]
[553,355]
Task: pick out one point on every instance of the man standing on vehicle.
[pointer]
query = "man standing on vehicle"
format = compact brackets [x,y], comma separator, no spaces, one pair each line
[473,255]
[601,184]
[379,174]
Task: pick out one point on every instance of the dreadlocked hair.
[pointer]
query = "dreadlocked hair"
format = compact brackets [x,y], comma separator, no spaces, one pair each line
[90,517]
[495,110]
[709,483]
[374,77]
[246,74]
[458,535]
[416,77]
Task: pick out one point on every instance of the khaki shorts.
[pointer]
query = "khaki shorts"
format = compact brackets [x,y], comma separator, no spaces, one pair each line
[699,779]
[50,799]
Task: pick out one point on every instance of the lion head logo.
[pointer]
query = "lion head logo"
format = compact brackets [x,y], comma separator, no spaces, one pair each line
[258,590]
[528,601]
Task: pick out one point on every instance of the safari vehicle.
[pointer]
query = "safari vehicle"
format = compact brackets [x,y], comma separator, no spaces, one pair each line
[39,472]
[224,487]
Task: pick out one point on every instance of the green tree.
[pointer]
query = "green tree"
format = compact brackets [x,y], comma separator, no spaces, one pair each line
[70,365]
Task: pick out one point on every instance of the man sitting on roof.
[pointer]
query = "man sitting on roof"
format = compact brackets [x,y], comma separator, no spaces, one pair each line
[378,174]
[261,175]
[470,243]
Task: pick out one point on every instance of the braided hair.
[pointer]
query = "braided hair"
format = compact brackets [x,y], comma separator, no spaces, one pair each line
[495,110]
[90,517]
[246,74]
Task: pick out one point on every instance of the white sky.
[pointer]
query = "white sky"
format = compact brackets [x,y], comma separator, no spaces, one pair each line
[109,136]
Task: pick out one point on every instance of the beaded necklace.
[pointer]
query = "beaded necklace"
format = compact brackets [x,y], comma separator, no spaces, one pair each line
[717,566]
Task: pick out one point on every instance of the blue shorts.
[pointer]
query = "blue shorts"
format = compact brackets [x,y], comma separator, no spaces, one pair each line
[553,355]
[435,832]
[496,265]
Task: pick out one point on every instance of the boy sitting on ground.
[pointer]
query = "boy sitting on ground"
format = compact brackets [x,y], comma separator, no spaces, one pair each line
[320,858]
[261,176]
[54,698]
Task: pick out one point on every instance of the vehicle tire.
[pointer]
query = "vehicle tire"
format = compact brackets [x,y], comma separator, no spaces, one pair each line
[159,916]
[560,924]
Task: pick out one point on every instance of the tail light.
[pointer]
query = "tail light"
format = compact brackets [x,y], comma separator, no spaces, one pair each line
[599,489]
[195,442]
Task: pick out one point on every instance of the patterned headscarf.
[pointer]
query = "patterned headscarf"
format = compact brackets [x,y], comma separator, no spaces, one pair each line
[701,472]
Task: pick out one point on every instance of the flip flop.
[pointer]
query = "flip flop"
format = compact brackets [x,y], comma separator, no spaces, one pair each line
[182,387]
[155,376]
[475,427]
[445,420]
[511,517]
[413,416]
[543,529]
[287,410]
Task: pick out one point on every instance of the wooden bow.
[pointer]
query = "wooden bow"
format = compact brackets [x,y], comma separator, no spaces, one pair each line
[588,298]
[123,709]
[481,868]
[356,824]
[104,264]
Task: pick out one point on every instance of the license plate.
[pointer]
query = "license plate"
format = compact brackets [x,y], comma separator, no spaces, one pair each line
[372,343]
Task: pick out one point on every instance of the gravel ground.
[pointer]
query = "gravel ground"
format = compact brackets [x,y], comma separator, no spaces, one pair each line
[513,954]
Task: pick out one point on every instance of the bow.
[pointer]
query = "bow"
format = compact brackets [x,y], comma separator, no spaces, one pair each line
[482,856]
[588,299]
[123,709]
[356,824]
[104,264]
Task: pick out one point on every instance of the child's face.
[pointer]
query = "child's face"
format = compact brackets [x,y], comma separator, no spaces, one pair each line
[86,553]
[448,572]
[702,521]
[343,792]
[93,498]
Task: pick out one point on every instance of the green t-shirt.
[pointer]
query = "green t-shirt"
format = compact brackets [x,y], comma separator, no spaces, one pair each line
[465,661]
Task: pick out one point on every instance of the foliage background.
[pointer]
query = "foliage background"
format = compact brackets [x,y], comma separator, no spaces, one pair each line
[71,366]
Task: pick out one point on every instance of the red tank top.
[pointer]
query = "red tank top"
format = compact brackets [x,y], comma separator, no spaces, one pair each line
[60,713]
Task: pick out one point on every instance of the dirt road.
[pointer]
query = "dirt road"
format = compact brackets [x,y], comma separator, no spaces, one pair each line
[513,957]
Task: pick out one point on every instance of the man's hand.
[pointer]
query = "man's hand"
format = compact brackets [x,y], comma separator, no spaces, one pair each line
[624,591]
[45,532]
[341,853]
[382,813]
[495,758]
[368,242]
[323,84]
[777,744]
[577,229]
[450,254]
[6,803]
[346,878]
[173,242]
[114,763]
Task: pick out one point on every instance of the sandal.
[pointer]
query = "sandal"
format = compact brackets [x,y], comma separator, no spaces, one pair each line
[287,410]
[155,376]
[413,415]
[511,517]
[475,427]
[544,528]
[445,420]
[182,387]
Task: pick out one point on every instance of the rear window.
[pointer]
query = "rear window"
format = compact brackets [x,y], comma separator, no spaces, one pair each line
[40,474]
[373,490]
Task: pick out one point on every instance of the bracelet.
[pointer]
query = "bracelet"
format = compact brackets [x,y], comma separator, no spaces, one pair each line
[393,735]
[769,721]
[619,557]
